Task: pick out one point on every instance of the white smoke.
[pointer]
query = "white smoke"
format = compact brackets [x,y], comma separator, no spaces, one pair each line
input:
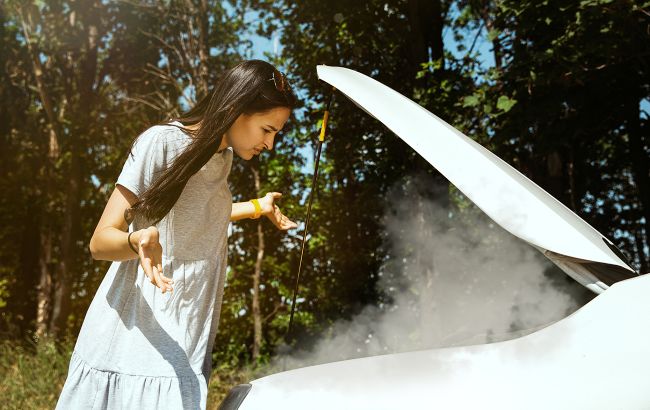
[452,279]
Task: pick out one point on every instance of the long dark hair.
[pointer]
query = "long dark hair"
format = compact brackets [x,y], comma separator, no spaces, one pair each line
[248,88]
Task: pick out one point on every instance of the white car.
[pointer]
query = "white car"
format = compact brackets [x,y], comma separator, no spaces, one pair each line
[596,358]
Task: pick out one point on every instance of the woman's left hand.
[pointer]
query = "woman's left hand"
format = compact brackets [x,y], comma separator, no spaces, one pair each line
[272,211]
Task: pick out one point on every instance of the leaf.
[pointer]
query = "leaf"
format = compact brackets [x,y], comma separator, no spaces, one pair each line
[493,34]
[505,103]
[470,101]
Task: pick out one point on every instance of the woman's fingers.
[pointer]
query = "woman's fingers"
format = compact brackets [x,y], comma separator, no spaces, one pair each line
[276,216]
[162,275]
[167,282]
[284,223]
[155,274]
[147,268]
[159,281]
[151,259]
[289,224]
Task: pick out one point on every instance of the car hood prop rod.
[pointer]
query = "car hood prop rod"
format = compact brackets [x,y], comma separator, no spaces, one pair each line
[321,138]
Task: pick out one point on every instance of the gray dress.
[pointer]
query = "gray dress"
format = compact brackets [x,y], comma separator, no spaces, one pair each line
[139,348]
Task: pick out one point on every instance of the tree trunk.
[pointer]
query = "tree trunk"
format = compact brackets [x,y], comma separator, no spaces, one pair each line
[640,245]
[555,177]
[257,317]
[20,299]
[47,236]
[423,276]
[69,250]
[486,14]
[640,162]
[44,290]
[573,198]
[425,38]
[72,217]
[425,20]
[204,48]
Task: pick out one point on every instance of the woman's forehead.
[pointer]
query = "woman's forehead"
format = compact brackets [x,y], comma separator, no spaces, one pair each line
[276,116]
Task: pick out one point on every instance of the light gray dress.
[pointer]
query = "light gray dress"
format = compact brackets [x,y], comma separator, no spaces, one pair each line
[139,348]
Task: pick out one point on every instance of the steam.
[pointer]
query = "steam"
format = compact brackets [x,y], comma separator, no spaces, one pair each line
[449,280]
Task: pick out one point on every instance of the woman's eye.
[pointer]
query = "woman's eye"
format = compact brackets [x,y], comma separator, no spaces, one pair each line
[266,130]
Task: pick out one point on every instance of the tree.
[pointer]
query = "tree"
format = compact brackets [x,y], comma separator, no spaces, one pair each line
[579,72]
[92,73]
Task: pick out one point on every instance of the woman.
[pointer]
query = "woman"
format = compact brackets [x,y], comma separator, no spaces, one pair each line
[147,338]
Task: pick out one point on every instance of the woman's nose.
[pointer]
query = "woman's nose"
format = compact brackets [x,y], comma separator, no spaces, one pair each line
[268,144]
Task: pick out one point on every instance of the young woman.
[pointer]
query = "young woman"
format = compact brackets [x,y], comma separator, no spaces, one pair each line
[147,338]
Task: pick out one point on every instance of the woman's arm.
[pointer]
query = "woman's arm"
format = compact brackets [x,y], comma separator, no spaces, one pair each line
[109,239]
[241,210]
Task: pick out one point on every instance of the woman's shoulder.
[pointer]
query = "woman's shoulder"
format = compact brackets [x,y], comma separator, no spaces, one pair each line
[166,135]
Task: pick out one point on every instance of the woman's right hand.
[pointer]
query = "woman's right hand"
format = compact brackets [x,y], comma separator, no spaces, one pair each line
[150,252]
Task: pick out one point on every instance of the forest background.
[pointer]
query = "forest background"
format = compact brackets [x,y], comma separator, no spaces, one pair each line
[397,258]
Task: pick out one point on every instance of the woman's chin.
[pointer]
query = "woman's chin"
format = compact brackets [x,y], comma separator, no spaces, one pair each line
[245,155]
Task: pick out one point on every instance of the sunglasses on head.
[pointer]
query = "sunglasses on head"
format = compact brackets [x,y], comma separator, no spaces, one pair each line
[281,83]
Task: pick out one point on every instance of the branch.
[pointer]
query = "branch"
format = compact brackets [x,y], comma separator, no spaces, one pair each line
[168,78]
[278,306]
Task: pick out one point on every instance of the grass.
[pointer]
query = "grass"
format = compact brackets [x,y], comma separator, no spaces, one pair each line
[32,374]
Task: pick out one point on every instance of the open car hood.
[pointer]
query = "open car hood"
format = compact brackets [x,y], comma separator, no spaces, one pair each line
[508,197]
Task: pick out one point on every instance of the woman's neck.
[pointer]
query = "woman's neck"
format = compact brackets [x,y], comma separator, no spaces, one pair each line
[194,127]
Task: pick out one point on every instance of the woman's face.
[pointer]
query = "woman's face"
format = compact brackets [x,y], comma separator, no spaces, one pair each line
[250,134]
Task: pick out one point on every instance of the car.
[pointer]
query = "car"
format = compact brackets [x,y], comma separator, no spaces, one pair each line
[596,358]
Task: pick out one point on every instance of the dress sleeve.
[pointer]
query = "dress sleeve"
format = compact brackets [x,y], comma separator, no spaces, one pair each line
[145,161]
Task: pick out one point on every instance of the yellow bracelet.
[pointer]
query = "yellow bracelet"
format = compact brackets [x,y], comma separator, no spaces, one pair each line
[258,208]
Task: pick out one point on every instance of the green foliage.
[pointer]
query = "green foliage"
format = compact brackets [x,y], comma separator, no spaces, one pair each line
[471,101]
[505,103]
[579,79]
[32,373]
